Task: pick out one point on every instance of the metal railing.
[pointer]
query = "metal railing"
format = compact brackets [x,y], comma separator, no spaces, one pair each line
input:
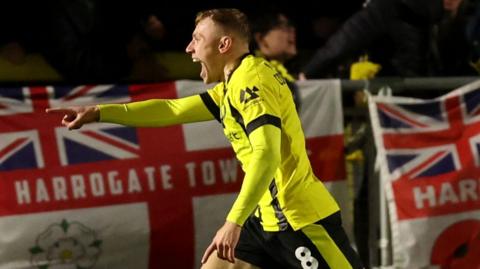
[408,84]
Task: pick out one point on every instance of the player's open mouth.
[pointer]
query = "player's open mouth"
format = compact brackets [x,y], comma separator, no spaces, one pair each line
[203,70]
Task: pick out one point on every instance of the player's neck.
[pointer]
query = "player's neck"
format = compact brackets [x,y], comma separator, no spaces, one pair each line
[233,63]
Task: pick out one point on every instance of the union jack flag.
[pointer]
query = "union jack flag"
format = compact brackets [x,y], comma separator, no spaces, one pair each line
[20,150]
[98,142]
[15,100]
[87,94]
[428,138]
[427,149]
[28,142]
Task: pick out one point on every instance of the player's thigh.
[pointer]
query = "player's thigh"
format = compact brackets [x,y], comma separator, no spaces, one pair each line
[214,262]
[329,245]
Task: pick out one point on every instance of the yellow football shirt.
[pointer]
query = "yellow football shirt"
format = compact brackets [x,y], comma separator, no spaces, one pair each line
[255,95]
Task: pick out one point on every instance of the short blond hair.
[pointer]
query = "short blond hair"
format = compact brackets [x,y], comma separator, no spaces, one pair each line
[230,19]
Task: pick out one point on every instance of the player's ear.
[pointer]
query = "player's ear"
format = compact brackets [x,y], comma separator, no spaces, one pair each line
[225,44]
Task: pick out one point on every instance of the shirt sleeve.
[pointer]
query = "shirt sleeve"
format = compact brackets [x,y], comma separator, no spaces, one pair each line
[258,106]
[164,112]
[212,98]
[156,112]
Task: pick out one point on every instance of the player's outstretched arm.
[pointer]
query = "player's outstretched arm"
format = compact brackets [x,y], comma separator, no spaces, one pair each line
[76,117]
[148,113]
[156,112]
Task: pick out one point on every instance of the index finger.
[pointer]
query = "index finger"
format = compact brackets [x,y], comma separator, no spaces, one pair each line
[60,110]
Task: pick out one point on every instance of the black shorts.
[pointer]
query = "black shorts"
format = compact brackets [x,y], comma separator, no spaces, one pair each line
[323,244]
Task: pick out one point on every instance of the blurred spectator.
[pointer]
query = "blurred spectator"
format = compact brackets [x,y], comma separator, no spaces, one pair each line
[93,40]
[451,53]
[395,33]
[86,40]
[473,37]
[274,38]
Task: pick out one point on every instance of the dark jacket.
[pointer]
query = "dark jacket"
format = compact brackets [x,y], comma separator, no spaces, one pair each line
[395,29]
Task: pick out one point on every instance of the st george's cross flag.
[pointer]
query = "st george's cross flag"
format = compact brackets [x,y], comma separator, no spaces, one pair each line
[110,196]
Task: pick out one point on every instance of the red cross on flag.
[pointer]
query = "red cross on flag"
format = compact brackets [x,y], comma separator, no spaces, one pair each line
[109,196]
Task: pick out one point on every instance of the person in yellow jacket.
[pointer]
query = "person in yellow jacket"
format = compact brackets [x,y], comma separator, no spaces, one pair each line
[364,69]
[283,217]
